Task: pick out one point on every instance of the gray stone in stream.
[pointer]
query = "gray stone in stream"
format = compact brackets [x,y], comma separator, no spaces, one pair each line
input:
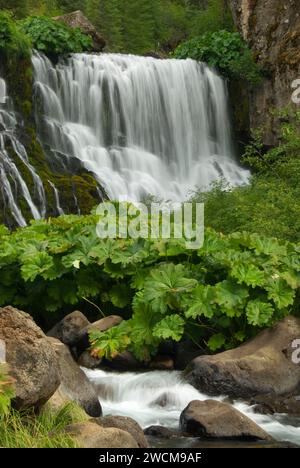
[263,365]
[125,424]
[31,359]
[164,433]
[74,383]
[268,404]
[217,420]
[68,330]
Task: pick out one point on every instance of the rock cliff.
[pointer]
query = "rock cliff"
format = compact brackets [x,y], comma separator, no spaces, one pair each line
[272,29]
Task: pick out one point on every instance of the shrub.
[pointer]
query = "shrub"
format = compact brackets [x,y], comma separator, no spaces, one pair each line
[13,42]
[224,50]
[219,295]
[52,37]
[270,204]
[288,148]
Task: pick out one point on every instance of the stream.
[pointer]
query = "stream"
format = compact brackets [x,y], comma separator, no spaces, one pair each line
[157,399]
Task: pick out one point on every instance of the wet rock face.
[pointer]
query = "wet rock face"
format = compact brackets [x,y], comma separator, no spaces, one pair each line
[272,29]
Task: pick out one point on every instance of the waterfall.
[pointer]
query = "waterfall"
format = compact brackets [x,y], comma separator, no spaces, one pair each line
[158,398]
[13,155]
[142,126]
[59,209]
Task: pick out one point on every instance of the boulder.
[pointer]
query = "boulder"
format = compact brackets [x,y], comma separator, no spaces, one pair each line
[162,363]
[68,329]
[263,365]
[32,361]
[268,404]
[125,424]
[217,420]
[59,400]
[74,383]
[91,435]
[76,19]
[101,325]
[88,361]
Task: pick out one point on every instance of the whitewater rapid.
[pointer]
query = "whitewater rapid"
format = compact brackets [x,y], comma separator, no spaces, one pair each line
[158,398]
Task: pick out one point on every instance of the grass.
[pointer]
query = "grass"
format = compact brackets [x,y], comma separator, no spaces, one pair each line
[45,430]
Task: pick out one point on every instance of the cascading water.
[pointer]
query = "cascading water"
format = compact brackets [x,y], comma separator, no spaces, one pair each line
[13,186]
[158,398]
[142,126]
[59,209]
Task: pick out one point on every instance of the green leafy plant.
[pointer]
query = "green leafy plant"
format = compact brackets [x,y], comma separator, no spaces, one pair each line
[288,147]
[13,42]
[220,294]
[224,50]
[270,203]
[52,37]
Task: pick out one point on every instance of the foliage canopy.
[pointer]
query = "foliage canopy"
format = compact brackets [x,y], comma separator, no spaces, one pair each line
[53,37]
[224,50]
